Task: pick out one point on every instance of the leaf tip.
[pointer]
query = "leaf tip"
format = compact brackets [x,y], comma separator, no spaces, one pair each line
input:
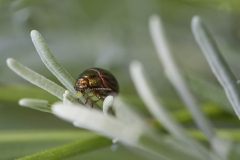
[21,102]
[196,21]
[10,62]
[153,22]
[107,104]
[196,18]
[34,32]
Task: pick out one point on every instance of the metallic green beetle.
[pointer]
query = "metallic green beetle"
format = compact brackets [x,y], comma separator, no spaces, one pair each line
[98,81]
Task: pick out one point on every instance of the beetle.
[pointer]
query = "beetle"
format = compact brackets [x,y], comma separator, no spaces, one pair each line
[98,81]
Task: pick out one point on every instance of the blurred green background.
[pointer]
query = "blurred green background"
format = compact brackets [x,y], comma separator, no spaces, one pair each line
[107,34]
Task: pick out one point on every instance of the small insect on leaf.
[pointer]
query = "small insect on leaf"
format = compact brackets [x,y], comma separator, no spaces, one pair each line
[101,83]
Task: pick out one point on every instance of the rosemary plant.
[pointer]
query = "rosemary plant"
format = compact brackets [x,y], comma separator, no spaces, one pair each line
[127,127]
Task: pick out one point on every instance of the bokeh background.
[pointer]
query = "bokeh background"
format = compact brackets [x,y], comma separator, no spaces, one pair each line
[107,34]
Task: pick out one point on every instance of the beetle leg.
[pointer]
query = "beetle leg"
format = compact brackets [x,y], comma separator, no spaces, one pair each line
[95,102]
[87,99]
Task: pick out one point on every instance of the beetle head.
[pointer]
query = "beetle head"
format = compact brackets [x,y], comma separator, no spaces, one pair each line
[81,84]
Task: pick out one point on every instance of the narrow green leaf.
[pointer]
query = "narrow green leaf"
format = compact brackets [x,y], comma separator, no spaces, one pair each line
[44,135]
[41,105]
[51,63]
[217,62]
[174,75]
[79,147]
[159,111]
[35,78]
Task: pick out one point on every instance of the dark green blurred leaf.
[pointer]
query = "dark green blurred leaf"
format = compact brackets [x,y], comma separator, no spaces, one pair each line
[13,93]
[15,144]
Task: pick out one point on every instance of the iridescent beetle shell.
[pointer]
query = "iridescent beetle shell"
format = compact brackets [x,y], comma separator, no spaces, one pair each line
[98,81]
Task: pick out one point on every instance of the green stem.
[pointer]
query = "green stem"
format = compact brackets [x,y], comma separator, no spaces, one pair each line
[71,149]
[230,134]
